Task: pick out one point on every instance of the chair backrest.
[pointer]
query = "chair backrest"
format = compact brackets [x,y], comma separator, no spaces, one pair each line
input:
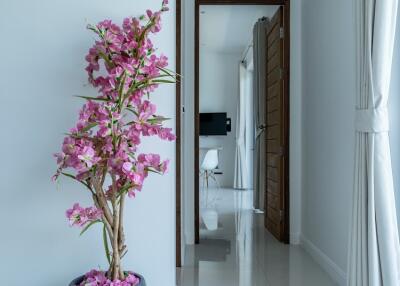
[210,161]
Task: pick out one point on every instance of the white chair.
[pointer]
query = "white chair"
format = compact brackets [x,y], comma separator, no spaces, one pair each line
[208,166]
[207,170]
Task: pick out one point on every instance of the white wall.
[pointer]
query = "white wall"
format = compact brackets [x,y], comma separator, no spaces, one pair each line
[43,49]
[328,60]
[394,113]
[188,119]
[295,144]
[219,92]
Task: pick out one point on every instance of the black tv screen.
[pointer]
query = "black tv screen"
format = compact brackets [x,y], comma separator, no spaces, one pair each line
[213,123]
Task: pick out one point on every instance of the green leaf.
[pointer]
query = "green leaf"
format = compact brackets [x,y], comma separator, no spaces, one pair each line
[130,123]
[106,249]
[133,111]
[88,226]
[123,254]
[90,126]
[106,59]
[170,72]
[166,71]
[92,28]
[161,81]
[68,175]
[121,87]
[73,177]
[153,171]
[158,119]
[162,76]
[92,98]
[125,188]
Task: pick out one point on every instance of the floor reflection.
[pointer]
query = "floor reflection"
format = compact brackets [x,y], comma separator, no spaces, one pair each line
[242,253]
[215,250]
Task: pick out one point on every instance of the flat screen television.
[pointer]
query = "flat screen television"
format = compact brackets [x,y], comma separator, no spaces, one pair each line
[214,123]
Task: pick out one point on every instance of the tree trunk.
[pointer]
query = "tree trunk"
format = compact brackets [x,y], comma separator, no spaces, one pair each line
[116,257]
[117,239]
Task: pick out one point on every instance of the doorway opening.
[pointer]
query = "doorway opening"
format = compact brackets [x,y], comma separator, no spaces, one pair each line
[242,109]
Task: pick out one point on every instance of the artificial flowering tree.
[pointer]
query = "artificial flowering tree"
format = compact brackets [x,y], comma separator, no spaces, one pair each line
[102,150]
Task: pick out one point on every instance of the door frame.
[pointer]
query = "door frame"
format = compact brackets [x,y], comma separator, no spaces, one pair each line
[286,5]
[178,142]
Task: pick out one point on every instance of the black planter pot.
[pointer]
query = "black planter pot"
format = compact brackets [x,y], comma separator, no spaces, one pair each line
[79,280]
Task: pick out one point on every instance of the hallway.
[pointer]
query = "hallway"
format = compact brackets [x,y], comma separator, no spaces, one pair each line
[242,253]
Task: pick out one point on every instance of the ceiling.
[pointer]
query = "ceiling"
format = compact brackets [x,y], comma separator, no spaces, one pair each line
[228,28]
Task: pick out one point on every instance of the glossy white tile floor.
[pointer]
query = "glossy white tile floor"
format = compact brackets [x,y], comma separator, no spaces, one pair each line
[242,253]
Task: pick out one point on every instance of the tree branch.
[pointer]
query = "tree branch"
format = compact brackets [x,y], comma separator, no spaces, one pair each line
[121,234]
[102,201]
[116,269]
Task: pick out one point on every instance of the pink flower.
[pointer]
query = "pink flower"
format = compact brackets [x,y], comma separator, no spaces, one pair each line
[88,156]
[123,66]
[135,177]
[93,213]
[127,167]
[166,134]
[152,160]
[78,216]
[163,167]
[99,278]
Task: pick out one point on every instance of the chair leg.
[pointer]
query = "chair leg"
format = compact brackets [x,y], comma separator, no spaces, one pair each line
[206,195]
[212,176]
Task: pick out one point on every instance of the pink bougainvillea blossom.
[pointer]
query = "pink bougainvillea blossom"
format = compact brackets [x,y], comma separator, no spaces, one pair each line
[79,216]
[102,150]
[95,277]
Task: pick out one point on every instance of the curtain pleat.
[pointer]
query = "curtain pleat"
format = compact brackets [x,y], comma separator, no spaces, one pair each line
[240,173]
[259,93]
[374,250]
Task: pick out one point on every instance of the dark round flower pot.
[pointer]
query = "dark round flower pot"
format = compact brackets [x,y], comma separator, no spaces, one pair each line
[79,280]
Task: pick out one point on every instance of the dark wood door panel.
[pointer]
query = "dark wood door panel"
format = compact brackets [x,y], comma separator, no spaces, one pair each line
[274,89]
[273,215]
[273,173]
[273,63]
[273,104]
[273,201]
[272,187]
[275,130]
[273,227]
[273,161]
[274,35]
[274,50]
[273,118]
[273,146]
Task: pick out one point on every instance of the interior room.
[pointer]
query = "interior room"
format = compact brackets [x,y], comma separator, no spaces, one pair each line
[200,143]
[239,132]
[226,97]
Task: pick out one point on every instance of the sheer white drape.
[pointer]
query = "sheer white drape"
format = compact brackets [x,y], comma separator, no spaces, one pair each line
[374,251]
[259,105]
[240,174]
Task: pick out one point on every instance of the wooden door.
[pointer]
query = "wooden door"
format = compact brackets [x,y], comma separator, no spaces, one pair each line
[276,146]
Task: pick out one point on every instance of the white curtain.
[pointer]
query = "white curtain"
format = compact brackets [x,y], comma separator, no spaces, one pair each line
[374,251]
[259,105]
[240,175]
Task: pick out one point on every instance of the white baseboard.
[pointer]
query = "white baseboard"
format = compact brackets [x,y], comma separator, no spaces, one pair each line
[294,238]
[336,273]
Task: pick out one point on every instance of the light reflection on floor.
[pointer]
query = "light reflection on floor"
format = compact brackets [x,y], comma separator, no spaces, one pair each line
[242,253]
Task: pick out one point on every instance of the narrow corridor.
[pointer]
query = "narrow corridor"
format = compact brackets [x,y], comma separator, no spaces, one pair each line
[242,253]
